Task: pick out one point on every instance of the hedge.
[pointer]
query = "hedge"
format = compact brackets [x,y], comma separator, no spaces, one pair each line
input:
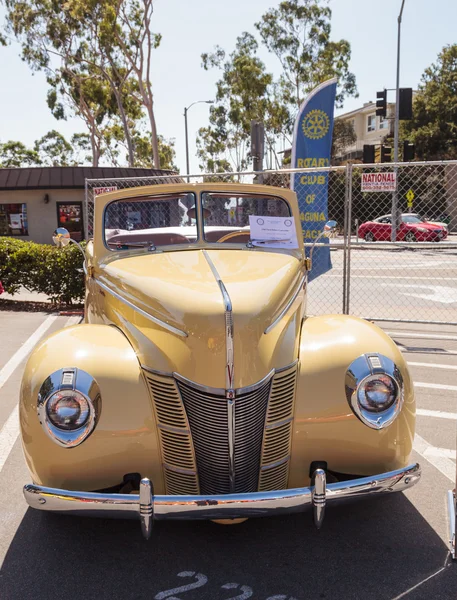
[56,272]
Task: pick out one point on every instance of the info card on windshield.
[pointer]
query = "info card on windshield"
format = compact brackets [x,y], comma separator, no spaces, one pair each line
[273,232]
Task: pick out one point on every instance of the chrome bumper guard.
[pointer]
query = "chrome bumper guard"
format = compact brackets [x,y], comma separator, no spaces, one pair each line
[451,513]
[146,507]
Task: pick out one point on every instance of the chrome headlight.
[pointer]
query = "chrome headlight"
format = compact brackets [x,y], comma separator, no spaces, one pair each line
[69,406]
[374,389]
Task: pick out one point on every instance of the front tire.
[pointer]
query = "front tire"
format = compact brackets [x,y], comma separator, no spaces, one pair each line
[369,237]
[410,237]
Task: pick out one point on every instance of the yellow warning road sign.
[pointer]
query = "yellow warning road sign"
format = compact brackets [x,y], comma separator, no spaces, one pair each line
[409,195]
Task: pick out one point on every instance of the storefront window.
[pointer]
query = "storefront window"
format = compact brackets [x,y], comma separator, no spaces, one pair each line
[13,219]
[69,215]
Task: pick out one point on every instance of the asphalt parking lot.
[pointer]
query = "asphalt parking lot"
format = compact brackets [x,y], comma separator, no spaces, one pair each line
[386,548]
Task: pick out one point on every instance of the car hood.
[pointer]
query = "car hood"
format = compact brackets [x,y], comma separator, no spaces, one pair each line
[425,225]
[181,289]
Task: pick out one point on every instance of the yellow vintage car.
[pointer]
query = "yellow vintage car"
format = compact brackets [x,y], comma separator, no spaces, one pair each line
[198,387]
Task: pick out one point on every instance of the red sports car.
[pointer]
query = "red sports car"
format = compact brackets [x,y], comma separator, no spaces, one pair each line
[412,229]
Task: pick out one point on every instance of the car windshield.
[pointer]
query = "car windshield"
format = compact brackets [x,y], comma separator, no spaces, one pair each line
[171,219]
[411,219]
[226,215]
[149,221]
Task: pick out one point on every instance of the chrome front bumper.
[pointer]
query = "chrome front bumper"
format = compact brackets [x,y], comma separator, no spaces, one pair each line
[146,507]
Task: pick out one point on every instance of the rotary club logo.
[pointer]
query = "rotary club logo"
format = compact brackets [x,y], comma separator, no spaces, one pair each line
[316,124]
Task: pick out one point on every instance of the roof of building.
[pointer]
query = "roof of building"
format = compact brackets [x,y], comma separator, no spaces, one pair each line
[367,107]
[45,178]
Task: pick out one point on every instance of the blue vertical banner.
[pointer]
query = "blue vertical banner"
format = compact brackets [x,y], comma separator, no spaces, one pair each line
[311,149]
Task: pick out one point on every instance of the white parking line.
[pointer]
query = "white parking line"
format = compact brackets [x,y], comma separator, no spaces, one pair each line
[441,452]
[10,430]
[442,463]
[431,365]
[8,436]
[432,336]
[437,414]
[24,350]
[436,386]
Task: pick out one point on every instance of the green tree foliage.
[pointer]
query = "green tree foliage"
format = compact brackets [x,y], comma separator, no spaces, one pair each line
[298,34]
[143,152]
[97,56]
[244,92]
[16,154]
[433,128]
[343,136]
[54,150]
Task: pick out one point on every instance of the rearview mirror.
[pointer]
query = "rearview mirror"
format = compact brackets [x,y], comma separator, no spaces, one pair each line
[61,237]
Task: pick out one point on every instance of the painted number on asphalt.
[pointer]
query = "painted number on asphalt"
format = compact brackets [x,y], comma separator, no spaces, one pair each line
[170,594]
[246,591]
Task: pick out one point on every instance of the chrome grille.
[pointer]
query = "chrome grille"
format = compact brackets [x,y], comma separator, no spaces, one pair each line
[277,439]
[178,457]
[208,419]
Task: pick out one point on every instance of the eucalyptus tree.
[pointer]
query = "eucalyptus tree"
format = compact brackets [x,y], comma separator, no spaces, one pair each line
[298,33]
[244,92]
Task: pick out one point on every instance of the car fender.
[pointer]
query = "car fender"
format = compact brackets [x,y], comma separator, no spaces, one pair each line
[325,427]
[125,439]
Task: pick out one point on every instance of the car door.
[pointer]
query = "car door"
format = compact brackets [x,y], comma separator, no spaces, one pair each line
[383,229]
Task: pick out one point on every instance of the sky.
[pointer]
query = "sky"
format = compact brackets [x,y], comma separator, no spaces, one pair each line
[190,28]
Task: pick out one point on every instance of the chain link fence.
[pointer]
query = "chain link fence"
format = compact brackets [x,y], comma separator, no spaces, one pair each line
[411,279]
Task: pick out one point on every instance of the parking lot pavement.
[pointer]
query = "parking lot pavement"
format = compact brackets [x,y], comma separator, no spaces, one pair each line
[386,548]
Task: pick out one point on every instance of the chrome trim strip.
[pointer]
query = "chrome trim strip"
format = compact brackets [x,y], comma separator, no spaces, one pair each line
[146,507]
[220,391]
[156,371]
[251,388]
[231,441]
[229,370]
[179,469]
[198,386]
[287,367]
[288,305]
[275,464]
[139,310]
[279,423]
[172,429]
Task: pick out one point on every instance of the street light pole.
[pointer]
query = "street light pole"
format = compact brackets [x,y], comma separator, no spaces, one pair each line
[187,133]
[397,127]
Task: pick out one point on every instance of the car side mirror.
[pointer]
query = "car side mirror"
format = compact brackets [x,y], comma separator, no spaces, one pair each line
[328,231]
[61,237]
[330,228]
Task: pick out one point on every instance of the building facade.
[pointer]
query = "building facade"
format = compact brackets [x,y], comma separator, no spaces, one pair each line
[368,128]
[35,201]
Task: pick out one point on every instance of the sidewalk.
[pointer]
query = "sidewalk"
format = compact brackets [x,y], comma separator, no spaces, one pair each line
[25,296]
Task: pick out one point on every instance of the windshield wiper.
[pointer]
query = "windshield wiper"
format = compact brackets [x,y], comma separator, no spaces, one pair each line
[150,245]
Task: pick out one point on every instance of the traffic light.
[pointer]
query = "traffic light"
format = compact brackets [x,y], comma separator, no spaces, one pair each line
[406,104]
[368,154]
[409,151]
[381,103]
[386,154]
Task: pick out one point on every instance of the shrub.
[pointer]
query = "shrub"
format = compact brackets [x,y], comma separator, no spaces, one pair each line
[56,272]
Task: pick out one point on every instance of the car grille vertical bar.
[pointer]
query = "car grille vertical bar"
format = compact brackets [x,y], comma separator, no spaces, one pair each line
[208,415]
[178,456]
[277,439]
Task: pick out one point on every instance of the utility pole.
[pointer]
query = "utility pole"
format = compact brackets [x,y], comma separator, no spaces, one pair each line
[187,133]
[396,130]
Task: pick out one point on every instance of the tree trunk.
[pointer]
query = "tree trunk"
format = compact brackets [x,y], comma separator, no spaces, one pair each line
[154,138]
[125,126]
